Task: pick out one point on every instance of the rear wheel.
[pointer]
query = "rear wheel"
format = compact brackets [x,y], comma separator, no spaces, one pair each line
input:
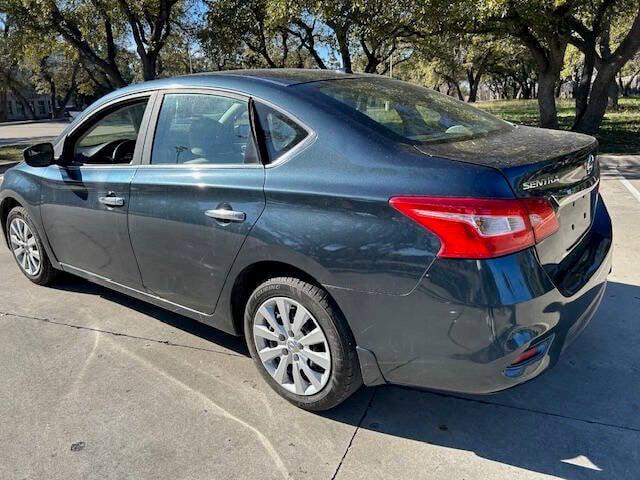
[301,344]
[27,249]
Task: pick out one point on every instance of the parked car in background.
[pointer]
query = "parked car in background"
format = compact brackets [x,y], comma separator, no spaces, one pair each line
[355,229]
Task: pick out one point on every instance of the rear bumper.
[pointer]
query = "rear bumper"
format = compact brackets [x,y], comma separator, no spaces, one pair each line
[466,322]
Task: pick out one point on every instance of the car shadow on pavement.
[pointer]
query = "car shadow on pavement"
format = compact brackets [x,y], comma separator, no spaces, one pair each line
[578,421]
[72,283]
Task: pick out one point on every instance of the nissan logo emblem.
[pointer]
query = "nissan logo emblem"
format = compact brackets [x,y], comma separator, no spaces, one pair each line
[589,164]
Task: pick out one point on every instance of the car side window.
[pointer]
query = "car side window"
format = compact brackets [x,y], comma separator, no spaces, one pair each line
[112,138]
[280,132]
[196,128]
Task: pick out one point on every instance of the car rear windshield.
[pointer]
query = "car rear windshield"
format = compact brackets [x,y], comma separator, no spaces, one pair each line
[416,114]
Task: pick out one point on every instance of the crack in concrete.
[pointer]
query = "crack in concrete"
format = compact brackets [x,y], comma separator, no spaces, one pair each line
[262,438]
[118,334]
[231,354]
[355,432]
[75,387]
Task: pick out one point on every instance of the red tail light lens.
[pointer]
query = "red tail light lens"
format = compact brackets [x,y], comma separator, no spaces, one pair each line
[481,227]
[542,217]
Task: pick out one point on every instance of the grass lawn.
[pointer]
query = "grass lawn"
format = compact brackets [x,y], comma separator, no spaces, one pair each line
[619,133]
[11,154]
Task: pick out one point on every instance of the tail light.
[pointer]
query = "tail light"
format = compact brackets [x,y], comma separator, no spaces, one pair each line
[477,228]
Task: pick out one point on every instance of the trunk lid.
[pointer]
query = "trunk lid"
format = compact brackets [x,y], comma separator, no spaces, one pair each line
[557,165]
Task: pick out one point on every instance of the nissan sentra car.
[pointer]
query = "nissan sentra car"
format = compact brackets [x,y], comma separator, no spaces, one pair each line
[355,229]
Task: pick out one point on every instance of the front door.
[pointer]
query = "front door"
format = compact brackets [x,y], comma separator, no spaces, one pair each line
[196,197]
[85,202]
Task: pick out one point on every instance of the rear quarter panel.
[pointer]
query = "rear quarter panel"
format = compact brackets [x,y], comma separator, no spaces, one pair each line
[327,208]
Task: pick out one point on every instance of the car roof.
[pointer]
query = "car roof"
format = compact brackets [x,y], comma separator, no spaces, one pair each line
[281,76]
[252,81]
[243,80]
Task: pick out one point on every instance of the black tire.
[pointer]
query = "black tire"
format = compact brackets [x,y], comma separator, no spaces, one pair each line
[345,376]
[46,273]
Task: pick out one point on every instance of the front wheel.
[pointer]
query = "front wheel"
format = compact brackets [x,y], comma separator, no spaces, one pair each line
[301,343]
[27,248]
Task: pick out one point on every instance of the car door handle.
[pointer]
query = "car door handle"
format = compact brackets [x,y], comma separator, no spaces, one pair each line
[226,215]
[112,201]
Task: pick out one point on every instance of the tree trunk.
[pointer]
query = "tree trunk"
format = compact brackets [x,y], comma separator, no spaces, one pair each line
[149,64]
[598,99]
[372,65]
[608,68]
[559,88]
[614,93]
[3,104]
[549,68]
[620,84]
[626,89]
[458,91]
[343,46]
[547,99]
[474,84]
[52,96]
[62,104]
[584,85]
[473,93]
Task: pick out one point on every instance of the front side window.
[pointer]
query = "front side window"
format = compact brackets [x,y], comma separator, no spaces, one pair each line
[203,129]
[280,132]
[414,114]
[112,138]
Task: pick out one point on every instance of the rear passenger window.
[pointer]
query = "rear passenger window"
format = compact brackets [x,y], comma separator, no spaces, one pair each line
[203,129]
[281,133]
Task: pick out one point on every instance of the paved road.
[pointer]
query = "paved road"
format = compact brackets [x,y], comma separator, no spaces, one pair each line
[97,386]
[32,132]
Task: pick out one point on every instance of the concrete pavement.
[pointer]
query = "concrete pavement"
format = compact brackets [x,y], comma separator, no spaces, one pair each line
[97,385]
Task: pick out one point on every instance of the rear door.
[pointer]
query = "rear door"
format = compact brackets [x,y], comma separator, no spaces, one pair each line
[196,196]
[85,201]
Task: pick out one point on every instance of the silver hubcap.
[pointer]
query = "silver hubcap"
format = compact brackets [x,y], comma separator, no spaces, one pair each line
[292,346]
[24,246]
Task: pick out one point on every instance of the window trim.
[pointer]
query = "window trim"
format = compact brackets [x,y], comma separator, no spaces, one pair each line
[285,156]
[306,142]
[145,160]
[85,123]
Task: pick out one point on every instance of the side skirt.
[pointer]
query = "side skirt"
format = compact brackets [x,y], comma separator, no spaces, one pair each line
[211,320]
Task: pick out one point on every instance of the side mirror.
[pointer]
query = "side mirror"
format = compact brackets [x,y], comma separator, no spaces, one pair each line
[40,155]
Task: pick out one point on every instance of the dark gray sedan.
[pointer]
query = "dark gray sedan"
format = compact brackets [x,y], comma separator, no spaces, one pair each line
[353,228]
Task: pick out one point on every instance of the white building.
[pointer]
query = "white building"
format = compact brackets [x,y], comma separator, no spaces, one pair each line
[40,104]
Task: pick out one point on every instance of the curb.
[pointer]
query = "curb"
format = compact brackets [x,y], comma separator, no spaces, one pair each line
[28,142]
[42,120]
